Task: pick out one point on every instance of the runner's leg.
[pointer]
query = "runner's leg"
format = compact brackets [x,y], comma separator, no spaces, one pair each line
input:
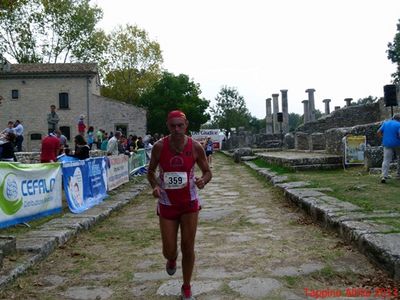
[188,236]
[169,236]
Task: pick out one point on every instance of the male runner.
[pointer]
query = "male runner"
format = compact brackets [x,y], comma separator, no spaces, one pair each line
[175,188]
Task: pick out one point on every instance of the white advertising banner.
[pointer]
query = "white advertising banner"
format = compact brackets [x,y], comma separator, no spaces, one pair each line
[117,172]
[216,135]
[28,191]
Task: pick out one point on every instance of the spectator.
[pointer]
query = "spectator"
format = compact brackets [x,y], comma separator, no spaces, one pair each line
[104,143]
[52,119]
[90,137]
[9,128]
[63,141]
[50,148]
[390,130]
[19,132]
[81,148]
[139,143]
[81,125]
[99,138]
[112,146]
[7,148]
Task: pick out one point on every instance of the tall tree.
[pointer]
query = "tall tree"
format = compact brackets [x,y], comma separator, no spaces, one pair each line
[174,92]
[394,53]
[132,64]
[230,110]
[295,120]
[50,31]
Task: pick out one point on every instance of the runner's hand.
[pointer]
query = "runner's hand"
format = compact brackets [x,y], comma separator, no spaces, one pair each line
[199,182]
[156,192]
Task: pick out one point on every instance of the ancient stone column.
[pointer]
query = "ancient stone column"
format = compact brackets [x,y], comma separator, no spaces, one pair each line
[306,112]
[327,109]
[348,101]
[276,110]
[285,112]
[311,104]
[268,118]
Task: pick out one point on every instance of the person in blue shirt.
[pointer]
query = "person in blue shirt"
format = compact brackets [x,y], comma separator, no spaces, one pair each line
[390,133]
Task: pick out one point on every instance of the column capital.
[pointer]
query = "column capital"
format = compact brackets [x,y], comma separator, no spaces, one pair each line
[304,101]
[284,91]
[326,100]
[310,90]
[275,95]
[268,99]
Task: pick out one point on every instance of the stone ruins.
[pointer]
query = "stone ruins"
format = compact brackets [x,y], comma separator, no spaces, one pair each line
[323,134]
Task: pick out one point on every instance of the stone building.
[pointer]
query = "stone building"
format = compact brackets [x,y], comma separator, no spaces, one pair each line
[28,90]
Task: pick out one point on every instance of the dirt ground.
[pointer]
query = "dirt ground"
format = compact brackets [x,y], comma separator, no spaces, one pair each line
[251,244]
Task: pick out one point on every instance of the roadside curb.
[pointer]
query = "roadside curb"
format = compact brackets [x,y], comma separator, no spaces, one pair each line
[380,243]
[39,243]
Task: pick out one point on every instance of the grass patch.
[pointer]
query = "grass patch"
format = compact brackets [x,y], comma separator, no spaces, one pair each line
[140,239]
[274,168]
[353,185]
[291,281]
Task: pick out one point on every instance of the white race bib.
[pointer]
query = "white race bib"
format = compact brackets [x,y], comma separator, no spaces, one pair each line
[175,180]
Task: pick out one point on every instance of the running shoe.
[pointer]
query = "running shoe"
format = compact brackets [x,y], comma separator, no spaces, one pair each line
[186,293]
[170,267]
[383,180]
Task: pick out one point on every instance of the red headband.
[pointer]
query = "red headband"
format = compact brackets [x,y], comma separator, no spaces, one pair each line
[176,114]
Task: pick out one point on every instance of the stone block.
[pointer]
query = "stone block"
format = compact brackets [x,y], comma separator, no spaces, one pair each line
[317,141]
[373,157]
[288,141]
[7,244]
[301,141]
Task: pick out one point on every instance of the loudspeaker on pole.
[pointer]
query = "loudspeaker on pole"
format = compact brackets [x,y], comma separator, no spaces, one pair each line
[390,95]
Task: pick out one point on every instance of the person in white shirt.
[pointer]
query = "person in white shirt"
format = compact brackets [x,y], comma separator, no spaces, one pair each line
[19,132]
[112,146]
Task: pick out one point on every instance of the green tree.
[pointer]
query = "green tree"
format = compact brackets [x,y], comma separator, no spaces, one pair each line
[257,125]
[132,64]
[295,120]
[174,92]
[394,53]
[367,100]
[50,31]
[230,110]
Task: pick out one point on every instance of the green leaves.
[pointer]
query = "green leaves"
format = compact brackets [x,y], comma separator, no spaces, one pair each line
[230,110]
[48,31]
[174,92]
[132,64]
[394,53]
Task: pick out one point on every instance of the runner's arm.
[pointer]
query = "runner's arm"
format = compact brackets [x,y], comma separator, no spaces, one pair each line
[151,173]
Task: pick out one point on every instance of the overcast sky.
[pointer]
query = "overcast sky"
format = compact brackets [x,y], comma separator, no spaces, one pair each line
[337,47]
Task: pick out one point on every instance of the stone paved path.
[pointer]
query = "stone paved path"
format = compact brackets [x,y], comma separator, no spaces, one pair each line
[251,244]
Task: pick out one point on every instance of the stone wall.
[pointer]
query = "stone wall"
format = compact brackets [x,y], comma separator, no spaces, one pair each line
[334,137]
[344,117]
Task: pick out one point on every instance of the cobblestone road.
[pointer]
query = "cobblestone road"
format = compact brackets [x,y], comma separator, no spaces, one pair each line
[251,244]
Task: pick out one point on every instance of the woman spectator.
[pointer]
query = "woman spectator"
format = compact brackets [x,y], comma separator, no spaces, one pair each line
[90,137]
[7,147]
[81,148]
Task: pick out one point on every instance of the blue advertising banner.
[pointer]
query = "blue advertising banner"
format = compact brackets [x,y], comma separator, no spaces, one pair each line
[85,183]
[28,191]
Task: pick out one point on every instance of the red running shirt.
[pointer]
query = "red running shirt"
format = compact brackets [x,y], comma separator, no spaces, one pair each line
[176,177]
